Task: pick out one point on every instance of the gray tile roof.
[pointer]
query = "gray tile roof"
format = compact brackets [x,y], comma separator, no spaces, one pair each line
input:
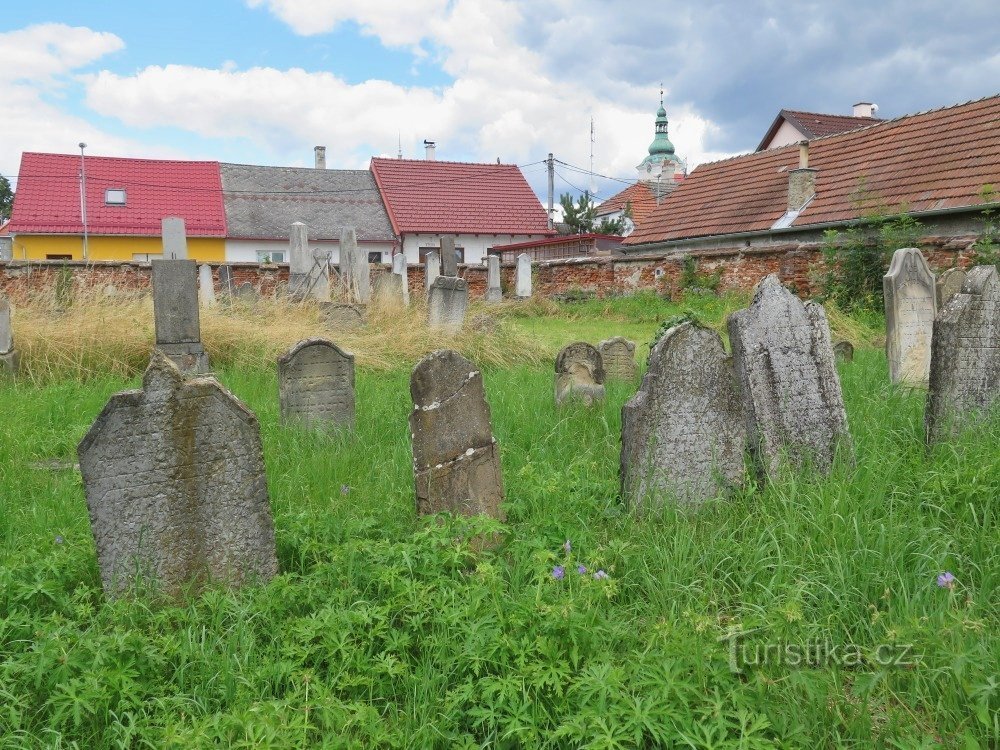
[262,202]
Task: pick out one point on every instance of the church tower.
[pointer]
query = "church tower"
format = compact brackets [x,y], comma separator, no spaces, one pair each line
[662,165]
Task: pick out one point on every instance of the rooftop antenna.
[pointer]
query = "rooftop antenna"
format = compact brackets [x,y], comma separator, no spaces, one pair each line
[592,192]
[399,151]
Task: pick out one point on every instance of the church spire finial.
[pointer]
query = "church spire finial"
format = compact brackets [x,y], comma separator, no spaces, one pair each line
[661,93]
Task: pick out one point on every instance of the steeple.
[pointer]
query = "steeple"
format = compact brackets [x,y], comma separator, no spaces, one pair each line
[662,163]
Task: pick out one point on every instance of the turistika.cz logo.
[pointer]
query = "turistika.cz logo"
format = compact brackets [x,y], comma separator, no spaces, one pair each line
[746,654]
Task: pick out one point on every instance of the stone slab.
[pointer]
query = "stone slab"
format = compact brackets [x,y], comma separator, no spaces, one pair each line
[6,326]
[432,269]
[494,293]
[174,238]
[579,374]
[343,316]
[844,351]
[447,302]
[175,301]
[388,290]
[910,307]
[316,385]
[948,284]
[618,356]
[522,277]
[206,286]
[399,268]
[449,260]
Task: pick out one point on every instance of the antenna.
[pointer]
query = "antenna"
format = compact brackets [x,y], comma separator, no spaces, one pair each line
[592,192]
[399,151]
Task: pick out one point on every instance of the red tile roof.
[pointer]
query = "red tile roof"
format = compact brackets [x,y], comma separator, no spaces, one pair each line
[4,228]
[458,197]
[816,125]
[48,195]
[642,197]
[924,162]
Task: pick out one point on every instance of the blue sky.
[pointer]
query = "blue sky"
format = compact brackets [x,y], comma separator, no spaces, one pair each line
[263,81]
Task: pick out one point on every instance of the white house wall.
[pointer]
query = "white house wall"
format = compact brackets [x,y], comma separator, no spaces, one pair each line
[475,245]
[250,251]
[786,135]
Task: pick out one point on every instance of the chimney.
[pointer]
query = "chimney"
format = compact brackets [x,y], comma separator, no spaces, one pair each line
[801,181]
[320,152]
[429,150]
[864,109]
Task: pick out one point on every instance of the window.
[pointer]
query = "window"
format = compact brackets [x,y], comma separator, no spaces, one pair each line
[57,256]
[375,256]
[459,253]
[146,257]
[114,197]
[272,257]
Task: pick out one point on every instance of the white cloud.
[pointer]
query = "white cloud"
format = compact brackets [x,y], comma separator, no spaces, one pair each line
[43,52]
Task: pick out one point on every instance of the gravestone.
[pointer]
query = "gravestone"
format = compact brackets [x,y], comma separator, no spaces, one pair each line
[618,355]
[308,270]
[361,280]
[388,290]
[175,486]
[226,285]
[343,316]
[399,268]
[456,460]
[246,292]
[316,385]
[174,238]
[948,285]
[910,307]
[348,249]
[683,433]
[844,351]
[522,279]
[432,269]
[493,291]
[447,302]
[8,355]
[175,314]
[449,260]
[792,402]
[579,374]
[206,285]
[965,358]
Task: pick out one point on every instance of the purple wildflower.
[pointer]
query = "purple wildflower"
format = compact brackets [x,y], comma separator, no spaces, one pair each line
[344,489]
[59,539]
[558,572]
[946,580]
[567,547]
[581,569]
[600,575]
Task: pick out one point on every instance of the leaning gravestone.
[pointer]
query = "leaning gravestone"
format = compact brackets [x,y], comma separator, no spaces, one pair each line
[522,279]
[579,373]
[965,360]
[618,355]
[8,355]
[174,238]
[175,314]
[456,461]
[175,486]
[316,385]
[388,290]
[683,433]
[493,290]
[308,270]
[432,269]
[447,302]
[948,285]
[909,317]
[206,285]
[449,259]
[791,394]
[399,268]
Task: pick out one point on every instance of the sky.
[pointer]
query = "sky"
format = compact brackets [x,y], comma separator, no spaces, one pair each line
[263,81]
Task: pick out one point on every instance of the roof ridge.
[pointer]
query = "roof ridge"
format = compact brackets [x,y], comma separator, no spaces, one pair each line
[830,114]
[122,158]
[304,169]
[444,161]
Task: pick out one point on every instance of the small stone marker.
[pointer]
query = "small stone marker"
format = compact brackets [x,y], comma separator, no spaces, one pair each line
[683,433]
[308,270]
[246,291]
[316,385]
[618,355]
[342,316]
[844,351]
[447,302]
[360,278]
[449,258]
[579,373]
[456,461]
[175,485]
[948,285]
[226,285]
[493,291]
[348,247]
[965,361]
[791,394]
[388,290]
[175,314]
[174,238]
[206,285]
[8,355]
[399,268]
[432,269]
[910,307]
[522,287]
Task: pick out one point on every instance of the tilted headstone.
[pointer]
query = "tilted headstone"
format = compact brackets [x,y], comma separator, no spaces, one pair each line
[493,291]
[910,307]
[175,314]
[316,385]
[456,461]
[308,270]
[8,355]
[522,279]
[844,351]
[948,285]
[449,259]
[683,433]
[579,373]
[174,238]
[206,285]
[432,269]
[618,355]
[791,394]
[965,361]
[175,486]
[399,268]
[343,316]
[388,290]
[447,302]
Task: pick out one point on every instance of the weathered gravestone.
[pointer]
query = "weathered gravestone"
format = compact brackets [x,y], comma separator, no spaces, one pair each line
[449,258]
[844,351]
[8,355]
[493,291]
[308,270]
[683,433]
[246,292]
[206,285]
[355,273]
[388,290]
[579,373]
[909,317]
[447,302]
[174,238]
[432,269]
[948,285]
[792,402]
[343,316]
[175,314]
[175,486]
[618,355]
[456,461]
[316,385]
[399,268]
[226,285]
[522,277]
[965,361]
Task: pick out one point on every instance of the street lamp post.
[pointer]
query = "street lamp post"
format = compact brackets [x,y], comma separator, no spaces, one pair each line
[83,197]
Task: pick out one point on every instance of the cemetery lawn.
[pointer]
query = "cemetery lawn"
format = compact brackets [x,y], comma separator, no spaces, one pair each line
[806,613]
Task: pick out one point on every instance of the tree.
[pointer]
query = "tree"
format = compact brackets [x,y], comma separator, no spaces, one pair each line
[579,216]
[6,198]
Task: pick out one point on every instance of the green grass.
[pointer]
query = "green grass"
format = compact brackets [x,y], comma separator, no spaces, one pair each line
[383,631]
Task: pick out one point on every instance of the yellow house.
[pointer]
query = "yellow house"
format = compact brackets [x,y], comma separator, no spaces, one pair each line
[100,208]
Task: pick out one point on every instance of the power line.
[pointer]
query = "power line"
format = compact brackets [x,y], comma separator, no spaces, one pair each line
[596,174]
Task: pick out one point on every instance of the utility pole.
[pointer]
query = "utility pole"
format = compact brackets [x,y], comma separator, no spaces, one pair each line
[550,162]
[83,197]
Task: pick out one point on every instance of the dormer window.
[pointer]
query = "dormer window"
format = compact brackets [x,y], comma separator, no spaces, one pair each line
[114,197]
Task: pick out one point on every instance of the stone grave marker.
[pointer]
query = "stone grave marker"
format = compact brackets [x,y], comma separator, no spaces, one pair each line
[456,461]
[449,260]
[246,292]
[8,355]
[910,307]
[361,280]
[175,486]
[316,385]
[399,268]
[579,374]
[522,285]
[343,316]
[206,285]
[175,314]
[965,359]
[493,291]
[618,355]
[948,285]
[791,394]
[683,434]
[447,302]
[348,249]
[432,269]
[388,290]
[226,285]
[844,351]
[308,270]
[174,238]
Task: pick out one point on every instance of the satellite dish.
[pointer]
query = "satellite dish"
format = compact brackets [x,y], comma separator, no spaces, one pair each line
[874,108]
